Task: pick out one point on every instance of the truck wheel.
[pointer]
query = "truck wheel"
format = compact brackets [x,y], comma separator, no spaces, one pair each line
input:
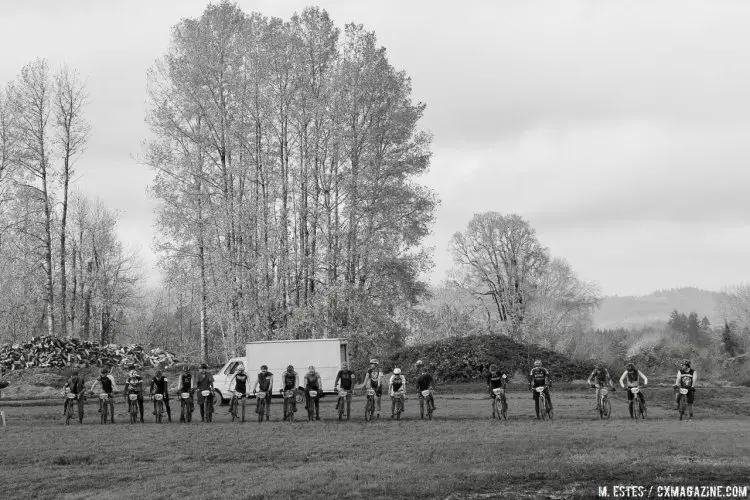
[300,396]
[218,400]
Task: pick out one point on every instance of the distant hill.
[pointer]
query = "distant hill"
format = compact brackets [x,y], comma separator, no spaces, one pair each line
[628,312]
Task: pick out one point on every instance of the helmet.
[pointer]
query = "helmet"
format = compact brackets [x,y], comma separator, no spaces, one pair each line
[538,362]
[204,366]
[493,367]
[397,371]
[105,370]
[419,362]
[133,374]
[630,366]
[600,365]
[344,365]
[241,368]
[290,368]
[185,368]
[311,368]
[686,362]
[158,374]
[374,361]
[264,367]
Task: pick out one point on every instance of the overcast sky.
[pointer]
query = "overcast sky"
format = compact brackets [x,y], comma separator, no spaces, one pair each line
[620,130]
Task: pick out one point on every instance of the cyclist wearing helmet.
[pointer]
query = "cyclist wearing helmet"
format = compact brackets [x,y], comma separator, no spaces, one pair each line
[290,382]
[134,385]
[633,377]
[599,378]
[186,385]
[159,386]
[396,384]
[496,379]
[265,383]
[313,383]
[425,382]
[374,380]
[205,383]
[109,387]
[539,377]
[346,377]
[75,384]
[686,378]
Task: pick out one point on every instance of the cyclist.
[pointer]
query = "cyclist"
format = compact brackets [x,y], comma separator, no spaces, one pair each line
[374,379]
[290,382]
[75,384]
[686,378]
[313,383]
[159,385]
[496,379]
[599,378]
[205,383]
[346,377]
[134,385]
[240,384]
[264,382]
[186,385]
[425,382]
[109,387]
[633,377]
[539,377]
[396,384]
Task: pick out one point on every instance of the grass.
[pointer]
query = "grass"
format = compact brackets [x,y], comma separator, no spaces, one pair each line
[462,454]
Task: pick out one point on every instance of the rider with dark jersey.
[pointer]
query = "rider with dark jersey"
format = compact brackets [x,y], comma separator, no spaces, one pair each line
[185,384]
[159,386]
[313,383]
[134,385]
[425,382]
[290,382]
[539,377]
[632,376]
[599,378]
[686,378]
[107,382]
[346,377]
[264,382]
[75,385]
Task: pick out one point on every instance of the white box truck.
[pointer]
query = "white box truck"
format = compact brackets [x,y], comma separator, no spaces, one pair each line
[326,355]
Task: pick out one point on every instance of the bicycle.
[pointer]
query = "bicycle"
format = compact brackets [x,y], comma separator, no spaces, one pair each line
[158,407]
[639,410]
[73,398]
[186,403]
[311,405]
[370,405]
[207,409]
[104,407]
[683,401]
[425,396]
[289,398]
[399,399]
[604,407]
[499,404]
[544,410]
[133,407]
[260,406]
[344,399]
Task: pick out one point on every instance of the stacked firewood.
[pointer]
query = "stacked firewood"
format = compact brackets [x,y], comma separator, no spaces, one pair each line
[47,352]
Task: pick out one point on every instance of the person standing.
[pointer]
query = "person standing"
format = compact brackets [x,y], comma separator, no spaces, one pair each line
[686,379]
[205,383]
[109,387]
[264,382]
[159,385]
[313,383]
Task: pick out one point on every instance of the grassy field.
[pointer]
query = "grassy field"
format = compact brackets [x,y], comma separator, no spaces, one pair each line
[462,454]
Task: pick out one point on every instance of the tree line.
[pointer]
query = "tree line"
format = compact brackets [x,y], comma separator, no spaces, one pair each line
[64,271]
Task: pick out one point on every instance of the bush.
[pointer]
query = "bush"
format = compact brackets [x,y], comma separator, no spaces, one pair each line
[468,358]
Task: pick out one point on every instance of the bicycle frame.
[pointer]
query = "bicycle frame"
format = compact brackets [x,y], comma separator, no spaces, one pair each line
[424,397]
[186,407]
[605,408]
[260,405]
[544,410]
[370,405]
[311,404]
[344,401]
[207,405]
[398,397]
[638,409]
[133,407]
[103,407]
[159,407]
[71,399]
[289,398]
[499,398]
[683,401]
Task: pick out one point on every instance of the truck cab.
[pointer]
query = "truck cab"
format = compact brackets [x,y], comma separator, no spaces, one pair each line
[326,355]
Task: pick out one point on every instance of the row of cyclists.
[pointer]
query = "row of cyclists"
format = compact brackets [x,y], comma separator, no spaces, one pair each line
[497,380]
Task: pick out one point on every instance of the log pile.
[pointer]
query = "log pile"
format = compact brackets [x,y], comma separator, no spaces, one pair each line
[48,352]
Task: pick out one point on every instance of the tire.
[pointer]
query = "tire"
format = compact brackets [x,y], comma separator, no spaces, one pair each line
[683,405]
[80,409]
[310,409]
[504,404]
[233,408]
[543,406]
[299,396]
[103,412]
[207,413]
[133,410]
[69,413]
[185,410]
[368,408]
[261,409]
[218,398]
[342,407]
[421,408]
[429,410]
[243,408]
[607,410]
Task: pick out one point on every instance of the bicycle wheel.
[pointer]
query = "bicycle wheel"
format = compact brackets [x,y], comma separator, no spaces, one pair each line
[261,409]
[543,406]
[69,413]
[606,409]
[504,407]
[184,411]
[133,410]
[399,408]
[207,409]
[310,409]
[342,404]
[80,409]
[243,409]
[429,410]
[102,412]
[368,409]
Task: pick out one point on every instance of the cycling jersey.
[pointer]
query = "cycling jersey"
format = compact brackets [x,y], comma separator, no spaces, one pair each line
[107,383]
[600,376]
[632,378]
[375,379]
[686,379]
[75,384]
[312,381]
[346,377]
[205,381]
[397,382]
[539,376]
[496,380]
[186,382]
[424,382]
[290,378]
[264,381]
[240,383]
[160,384]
